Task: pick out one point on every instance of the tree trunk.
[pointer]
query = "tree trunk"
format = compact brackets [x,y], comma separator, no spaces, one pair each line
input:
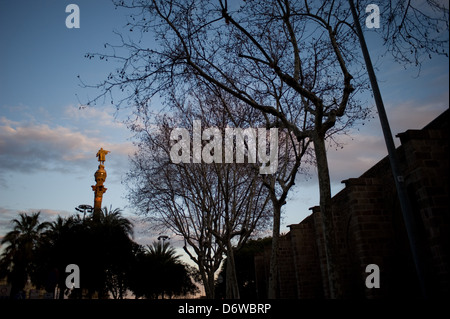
[232,287]
[327,218]
[206,279]
[273,273]
[211,287]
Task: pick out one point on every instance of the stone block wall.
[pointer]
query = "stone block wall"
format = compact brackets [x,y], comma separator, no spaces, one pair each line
[370,229]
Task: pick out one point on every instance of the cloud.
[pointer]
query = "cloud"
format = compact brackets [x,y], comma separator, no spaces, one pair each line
[100,116]
[412,114]
[364,148]
[358,154]
[29,147]
[62,147]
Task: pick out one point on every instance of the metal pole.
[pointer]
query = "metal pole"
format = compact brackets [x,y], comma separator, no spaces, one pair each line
[405,204]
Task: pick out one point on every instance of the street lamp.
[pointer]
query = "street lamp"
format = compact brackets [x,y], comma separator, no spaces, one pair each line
[163,237]
[83,209]
[405,205]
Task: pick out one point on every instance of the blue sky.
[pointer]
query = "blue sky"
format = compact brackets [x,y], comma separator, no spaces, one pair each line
[48,144]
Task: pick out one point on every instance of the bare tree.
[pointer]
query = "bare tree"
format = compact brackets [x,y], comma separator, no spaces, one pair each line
[294,61]
[284,61]
[215,207]
[291,153]
[414,30]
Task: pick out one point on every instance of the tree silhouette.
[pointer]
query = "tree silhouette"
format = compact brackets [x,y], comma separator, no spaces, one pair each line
[105,253]
[213,206]
[102,249]
[110,261]
[294,61]
[158,271]
[113,220]
[245,267]
[118,232]
[18,261]
[58,248]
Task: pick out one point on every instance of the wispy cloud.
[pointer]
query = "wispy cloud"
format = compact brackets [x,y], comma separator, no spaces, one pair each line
[358,154]
[414,114]
[363,149]
[100,116]
[29,147]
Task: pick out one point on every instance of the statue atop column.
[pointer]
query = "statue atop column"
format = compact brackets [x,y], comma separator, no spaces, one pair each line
[101,155]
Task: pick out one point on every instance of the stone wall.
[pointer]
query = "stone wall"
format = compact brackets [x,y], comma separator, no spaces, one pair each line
[370,228]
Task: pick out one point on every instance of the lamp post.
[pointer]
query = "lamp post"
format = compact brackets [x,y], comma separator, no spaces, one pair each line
[405,205]
[84,208]
[163,238]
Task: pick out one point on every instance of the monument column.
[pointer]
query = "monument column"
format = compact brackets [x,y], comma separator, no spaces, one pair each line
[99,189]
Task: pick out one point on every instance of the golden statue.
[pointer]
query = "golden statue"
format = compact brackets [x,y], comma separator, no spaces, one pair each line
[101,155]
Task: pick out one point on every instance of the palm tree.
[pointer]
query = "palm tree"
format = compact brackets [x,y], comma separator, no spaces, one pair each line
[60,246]
[168,275]
[164,253]
[108,251]
[113,219]
[17,260]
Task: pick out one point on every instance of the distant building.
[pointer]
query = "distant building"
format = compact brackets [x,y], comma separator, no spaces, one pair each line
[370,228]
